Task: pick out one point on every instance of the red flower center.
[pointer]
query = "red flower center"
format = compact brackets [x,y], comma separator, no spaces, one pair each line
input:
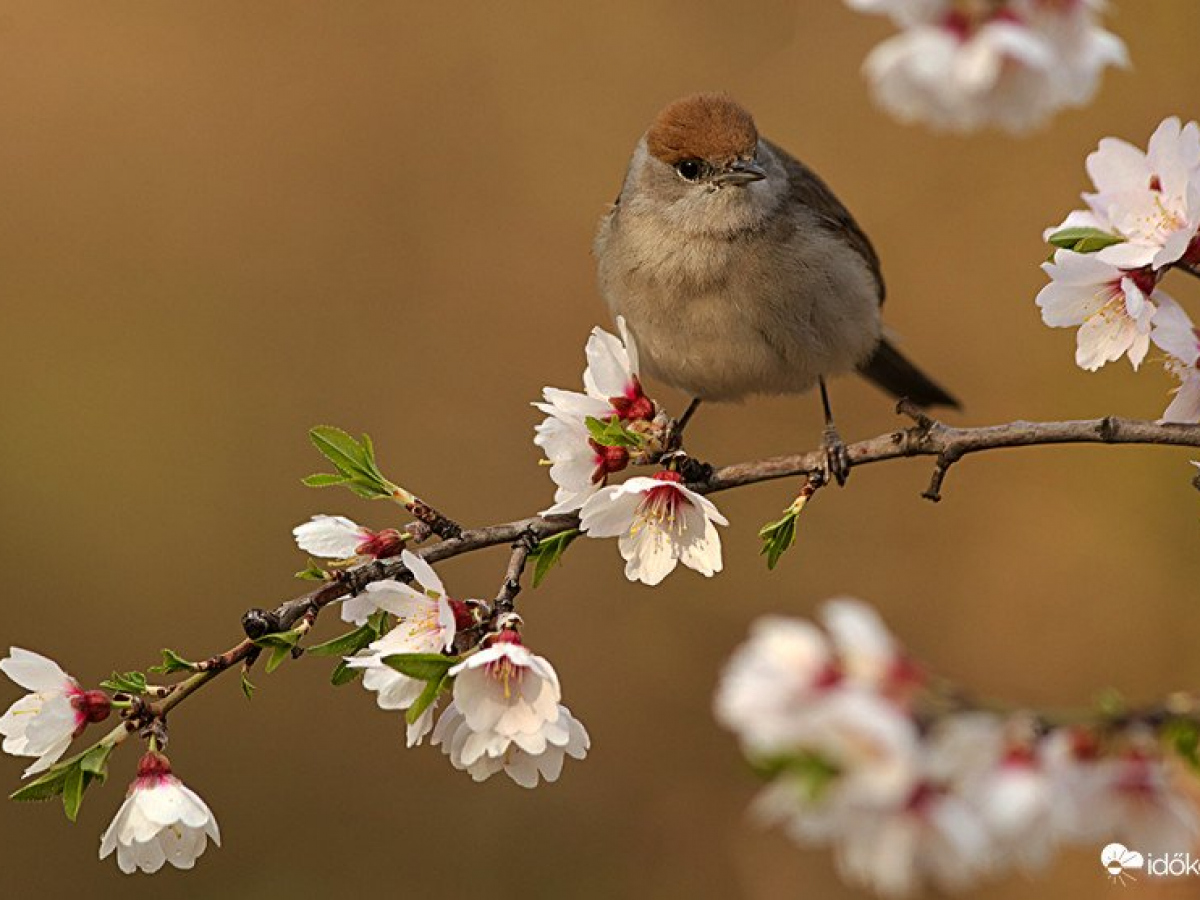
[608,461]
[635,404]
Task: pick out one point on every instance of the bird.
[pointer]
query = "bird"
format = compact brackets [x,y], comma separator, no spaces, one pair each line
[738,272]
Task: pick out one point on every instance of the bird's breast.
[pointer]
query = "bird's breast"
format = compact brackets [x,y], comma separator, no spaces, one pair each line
[722,316]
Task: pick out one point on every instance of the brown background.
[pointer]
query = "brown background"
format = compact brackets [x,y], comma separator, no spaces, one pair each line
[222,223]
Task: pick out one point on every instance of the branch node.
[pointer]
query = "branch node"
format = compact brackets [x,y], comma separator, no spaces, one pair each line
[925,422]
[1107,429]
[945,460]
[259,622]
[440,525]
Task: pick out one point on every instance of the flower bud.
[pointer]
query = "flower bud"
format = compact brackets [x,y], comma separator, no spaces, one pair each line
[382,544]
[92,706]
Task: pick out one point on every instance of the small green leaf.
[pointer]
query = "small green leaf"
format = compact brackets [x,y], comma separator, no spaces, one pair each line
[312,572]
[354,461]
[1183,736]
[125,683]
[428,697]
[422,666]
[612,433]
[247,686]
[1111,703]
[279,639]
[281,645]
[343,674]
[73,792]
[808,773]
[778,537]
[95,761]
[278,656]
[549,552]
[172,662]
[1083,239]
[48,784]
[347,644]
[324,479]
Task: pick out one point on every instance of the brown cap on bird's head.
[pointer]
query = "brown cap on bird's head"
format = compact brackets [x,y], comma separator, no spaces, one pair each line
[712,127]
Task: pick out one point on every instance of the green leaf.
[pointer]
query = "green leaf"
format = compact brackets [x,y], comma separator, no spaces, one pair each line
[73,792]
[172,662]
[778,537]
[312,572]
[612,433]
[354,461]
[422,666]
[343,674]
[126,683]
[1083,239]
[429,696]
[248,687]
[347,644]
[549,552]
[1184,738]
[808,773]
[95,761]
[324,479]
[48,784]
[278,656]
[70,778]
[281,645]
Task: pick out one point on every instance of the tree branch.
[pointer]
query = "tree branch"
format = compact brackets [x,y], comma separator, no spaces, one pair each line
[926,437]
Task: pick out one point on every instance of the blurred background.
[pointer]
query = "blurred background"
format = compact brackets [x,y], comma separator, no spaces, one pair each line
[223,223]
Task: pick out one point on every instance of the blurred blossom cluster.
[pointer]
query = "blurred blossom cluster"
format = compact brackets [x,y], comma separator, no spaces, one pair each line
[969,64]
[1142,220]
[911,785]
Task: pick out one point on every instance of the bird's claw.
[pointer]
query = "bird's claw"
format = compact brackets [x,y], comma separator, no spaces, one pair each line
[837,458]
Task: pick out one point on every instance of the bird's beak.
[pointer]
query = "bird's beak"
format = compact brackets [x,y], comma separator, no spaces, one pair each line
[741,172]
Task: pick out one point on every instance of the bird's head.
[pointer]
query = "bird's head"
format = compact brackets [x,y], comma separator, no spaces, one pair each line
[702,163]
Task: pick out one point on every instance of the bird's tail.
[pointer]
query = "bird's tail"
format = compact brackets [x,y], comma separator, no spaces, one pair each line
[888,369]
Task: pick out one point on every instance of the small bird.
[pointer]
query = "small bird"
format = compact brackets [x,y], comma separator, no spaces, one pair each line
[739,272]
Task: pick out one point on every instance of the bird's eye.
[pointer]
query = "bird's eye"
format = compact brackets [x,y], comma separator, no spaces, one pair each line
[689,169]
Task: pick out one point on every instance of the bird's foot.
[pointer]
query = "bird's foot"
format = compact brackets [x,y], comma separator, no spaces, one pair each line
[692,470]
[837,458]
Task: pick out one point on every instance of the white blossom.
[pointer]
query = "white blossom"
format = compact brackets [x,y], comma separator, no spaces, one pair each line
[43,722]
[161,821]
[1113,308]
[426,623]
[1150,199]
[579,466]
[330,537]
[506,716]
[658,523]
[1176,335]
[903,12]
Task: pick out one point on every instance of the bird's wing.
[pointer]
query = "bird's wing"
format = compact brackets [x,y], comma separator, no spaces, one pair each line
[808,189]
